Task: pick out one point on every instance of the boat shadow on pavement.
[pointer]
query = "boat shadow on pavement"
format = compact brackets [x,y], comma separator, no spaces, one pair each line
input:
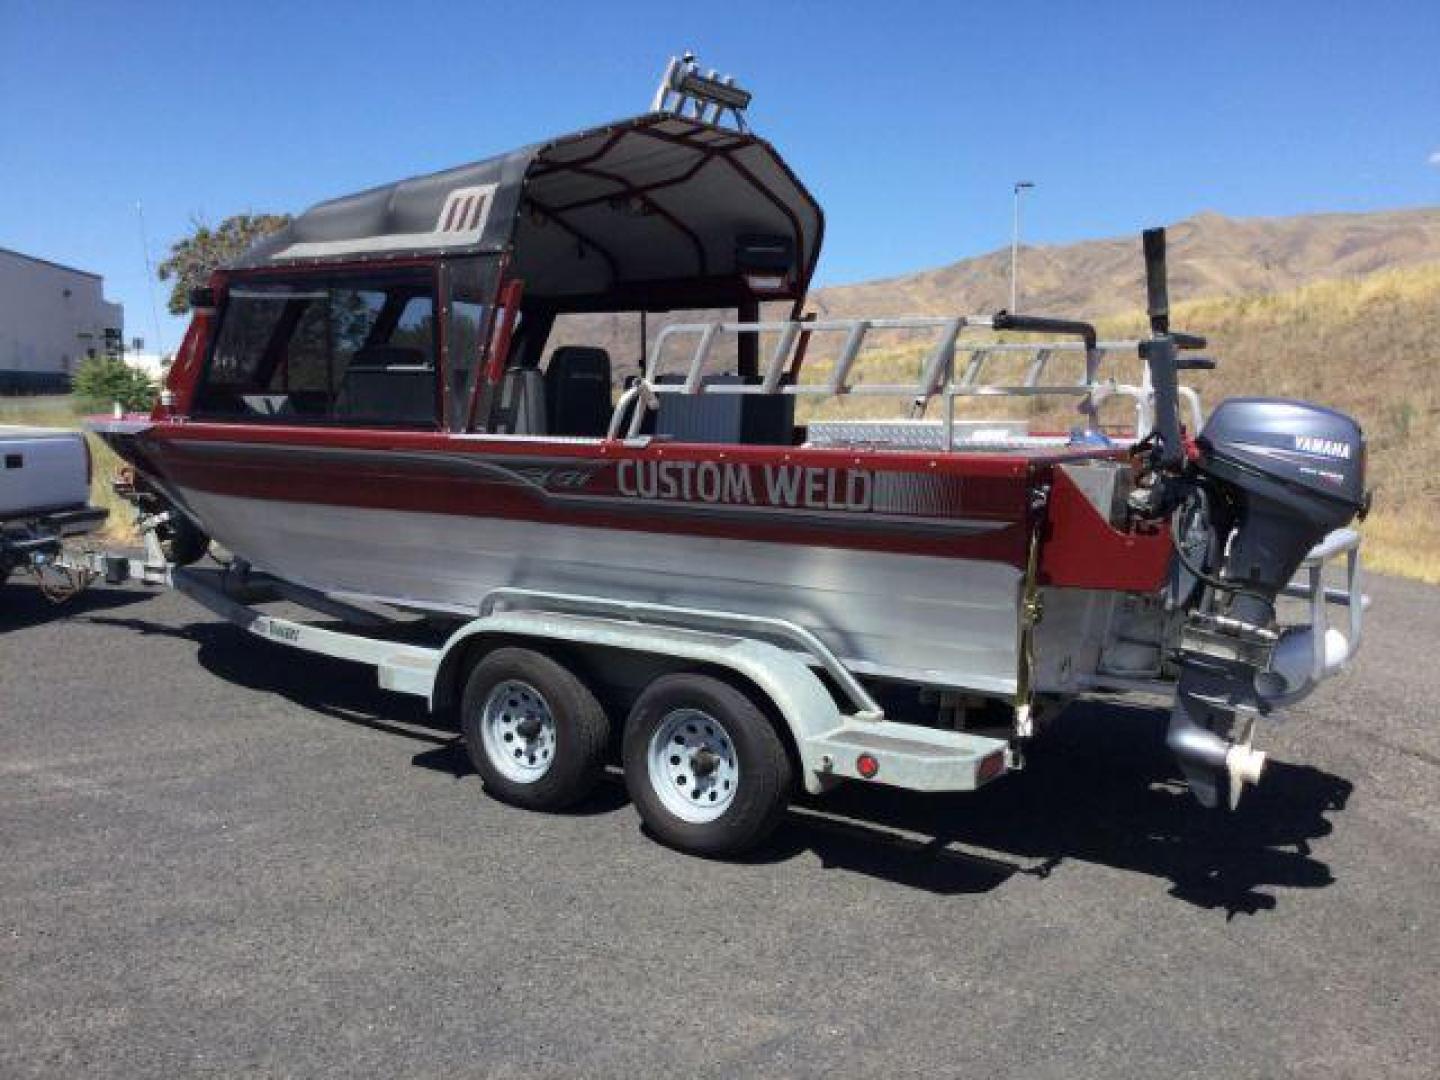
[1099,787]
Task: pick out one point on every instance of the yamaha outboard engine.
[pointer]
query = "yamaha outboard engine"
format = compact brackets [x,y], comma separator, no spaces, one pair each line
[1295,471]
[1262,484]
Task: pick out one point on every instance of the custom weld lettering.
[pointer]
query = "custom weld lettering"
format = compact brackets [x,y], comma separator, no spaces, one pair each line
[789,486]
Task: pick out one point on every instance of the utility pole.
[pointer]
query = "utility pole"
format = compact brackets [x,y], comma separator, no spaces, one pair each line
[1020,185]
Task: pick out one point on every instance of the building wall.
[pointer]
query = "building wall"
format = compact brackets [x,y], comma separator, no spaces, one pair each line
[51,316]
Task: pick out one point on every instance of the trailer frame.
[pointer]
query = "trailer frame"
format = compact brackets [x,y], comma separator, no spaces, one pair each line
[838,733]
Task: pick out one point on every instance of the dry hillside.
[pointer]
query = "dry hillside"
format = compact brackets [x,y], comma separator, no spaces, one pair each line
[1210,255]
[1369,346]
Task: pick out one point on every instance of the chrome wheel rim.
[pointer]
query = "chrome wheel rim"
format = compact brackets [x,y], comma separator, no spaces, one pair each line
[693,766]
[518,731]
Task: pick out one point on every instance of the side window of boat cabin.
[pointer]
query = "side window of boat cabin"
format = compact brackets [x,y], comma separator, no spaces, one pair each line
[470,287]
[333,349]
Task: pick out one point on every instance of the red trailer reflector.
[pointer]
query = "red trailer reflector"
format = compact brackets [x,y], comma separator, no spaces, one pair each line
[867,765]
[991,766]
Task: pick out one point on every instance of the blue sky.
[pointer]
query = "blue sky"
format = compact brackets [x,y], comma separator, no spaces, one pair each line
[909,121]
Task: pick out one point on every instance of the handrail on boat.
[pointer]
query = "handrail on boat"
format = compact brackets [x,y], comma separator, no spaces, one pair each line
[937,375]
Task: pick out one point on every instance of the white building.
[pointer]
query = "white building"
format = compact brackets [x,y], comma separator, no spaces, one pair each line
[51,318]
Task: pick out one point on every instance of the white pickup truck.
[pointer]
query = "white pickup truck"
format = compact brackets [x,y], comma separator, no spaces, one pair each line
[44,493]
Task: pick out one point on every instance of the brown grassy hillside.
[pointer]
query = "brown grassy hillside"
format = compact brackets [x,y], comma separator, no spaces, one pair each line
[1210,255]
[1369,346]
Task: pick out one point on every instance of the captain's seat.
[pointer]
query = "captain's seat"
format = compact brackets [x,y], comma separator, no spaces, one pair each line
[577,391]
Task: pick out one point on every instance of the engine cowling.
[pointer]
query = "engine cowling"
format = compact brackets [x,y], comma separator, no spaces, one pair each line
[1298,471]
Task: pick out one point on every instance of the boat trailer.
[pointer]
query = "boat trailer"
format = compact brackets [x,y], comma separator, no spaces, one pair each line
[837,729]
[840,734]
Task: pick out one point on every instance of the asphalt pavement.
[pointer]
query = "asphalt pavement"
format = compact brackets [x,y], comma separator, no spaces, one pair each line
[218,856]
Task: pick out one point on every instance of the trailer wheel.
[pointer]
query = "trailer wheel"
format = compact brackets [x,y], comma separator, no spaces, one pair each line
[705,767]
[535,733]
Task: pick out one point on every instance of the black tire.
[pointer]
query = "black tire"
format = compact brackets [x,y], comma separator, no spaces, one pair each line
[580,736]
[181,542]
[764,771]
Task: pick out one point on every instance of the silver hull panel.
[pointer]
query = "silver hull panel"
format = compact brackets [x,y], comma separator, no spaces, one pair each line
[938,621]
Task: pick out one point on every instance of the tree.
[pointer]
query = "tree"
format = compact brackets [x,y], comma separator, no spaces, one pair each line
[103,380]
[193,258]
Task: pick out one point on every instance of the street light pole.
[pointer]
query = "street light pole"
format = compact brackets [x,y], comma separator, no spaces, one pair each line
[1020,185]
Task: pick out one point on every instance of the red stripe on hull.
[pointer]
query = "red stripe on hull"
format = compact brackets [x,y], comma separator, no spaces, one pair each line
[970,507]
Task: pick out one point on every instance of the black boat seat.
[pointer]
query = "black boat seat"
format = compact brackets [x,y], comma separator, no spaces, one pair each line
[577,391]
[392,384]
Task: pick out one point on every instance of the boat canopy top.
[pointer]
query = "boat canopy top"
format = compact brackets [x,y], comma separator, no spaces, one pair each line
[658,209]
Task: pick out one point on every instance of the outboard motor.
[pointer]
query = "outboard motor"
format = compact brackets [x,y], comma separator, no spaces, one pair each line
[1264,482]
[1294,472]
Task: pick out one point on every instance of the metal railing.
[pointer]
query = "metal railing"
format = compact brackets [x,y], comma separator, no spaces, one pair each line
[1329,654]
[937,370]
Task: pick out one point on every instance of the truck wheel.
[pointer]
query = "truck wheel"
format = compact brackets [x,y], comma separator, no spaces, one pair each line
[704,766]
[535,733]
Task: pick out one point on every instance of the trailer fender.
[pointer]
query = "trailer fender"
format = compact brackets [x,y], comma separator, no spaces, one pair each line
[796,692]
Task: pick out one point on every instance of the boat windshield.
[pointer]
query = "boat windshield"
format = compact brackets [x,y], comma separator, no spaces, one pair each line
[341,348]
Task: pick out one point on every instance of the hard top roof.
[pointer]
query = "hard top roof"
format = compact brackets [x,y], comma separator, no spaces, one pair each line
[652,199]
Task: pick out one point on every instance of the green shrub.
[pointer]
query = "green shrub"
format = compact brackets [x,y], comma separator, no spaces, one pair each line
[102,381]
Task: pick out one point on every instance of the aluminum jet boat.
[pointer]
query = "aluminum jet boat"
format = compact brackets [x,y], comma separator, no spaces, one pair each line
[394,400]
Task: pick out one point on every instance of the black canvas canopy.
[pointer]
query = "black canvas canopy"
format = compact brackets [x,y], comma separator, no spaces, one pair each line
[653,206]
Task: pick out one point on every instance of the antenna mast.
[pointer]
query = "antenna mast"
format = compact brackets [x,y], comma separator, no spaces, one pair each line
[150,280]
